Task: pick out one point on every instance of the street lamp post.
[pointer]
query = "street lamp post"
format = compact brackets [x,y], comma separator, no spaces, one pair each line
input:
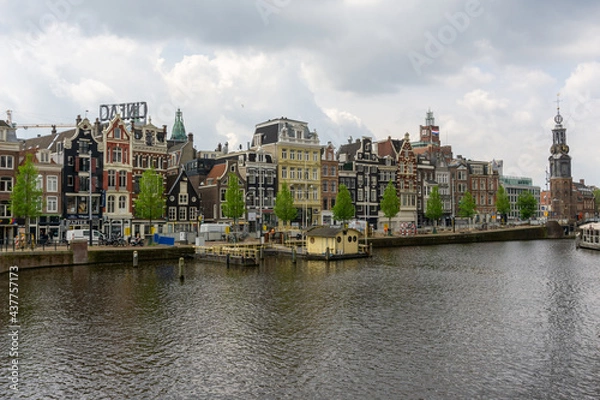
[90,199]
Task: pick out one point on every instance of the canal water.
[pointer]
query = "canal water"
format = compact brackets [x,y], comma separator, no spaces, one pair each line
[508,320]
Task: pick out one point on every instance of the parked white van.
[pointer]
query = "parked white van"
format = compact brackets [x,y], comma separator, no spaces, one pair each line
[84,234]
[214,231]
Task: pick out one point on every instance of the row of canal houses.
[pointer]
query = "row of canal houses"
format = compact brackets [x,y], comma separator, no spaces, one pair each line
[92,172]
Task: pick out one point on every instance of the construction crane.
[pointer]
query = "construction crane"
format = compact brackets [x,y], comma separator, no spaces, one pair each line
[34,126]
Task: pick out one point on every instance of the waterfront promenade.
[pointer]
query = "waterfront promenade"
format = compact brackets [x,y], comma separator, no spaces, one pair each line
[62,255]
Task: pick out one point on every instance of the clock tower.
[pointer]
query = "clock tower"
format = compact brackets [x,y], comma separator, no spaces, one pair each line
[561,181]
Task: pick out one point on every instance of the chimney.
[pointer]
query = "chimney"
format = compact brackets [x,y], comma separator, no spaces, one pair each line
[190,137]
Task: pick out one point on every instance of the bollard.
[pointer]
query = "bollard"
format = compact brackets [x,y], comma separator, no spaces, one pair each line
[135,258]
[181,277]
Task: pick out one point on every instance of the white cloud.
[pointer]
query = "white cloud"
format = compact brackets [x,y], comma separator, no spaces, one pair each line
[479,100]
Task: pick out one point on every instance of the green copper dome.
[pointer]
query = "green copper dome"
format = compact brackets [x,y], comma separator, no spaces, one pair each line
[178,128]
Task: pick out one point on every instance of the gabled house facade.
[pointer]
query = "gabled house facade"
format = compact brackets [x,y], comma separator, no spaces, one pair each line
[149,148]
[483,184]
[361,158]
[82,159]
[48,224]
[183,203]
[117,177]
[212,191]
[9,163]
[329,183]
[258,170]
[406,182]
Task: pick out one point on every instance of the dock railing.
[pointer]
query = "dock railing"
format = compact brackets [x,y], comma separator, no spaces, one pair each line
[246,251]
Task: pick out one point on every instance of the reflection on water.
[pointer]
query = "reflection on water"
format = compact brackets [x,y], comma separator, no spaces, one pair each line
[497,320]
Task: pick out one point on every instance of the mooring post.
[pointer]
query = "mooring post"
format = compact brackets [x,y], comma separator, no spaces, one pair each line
[327,253]
[181,277]
[293,254]
[135,258]
[227,258]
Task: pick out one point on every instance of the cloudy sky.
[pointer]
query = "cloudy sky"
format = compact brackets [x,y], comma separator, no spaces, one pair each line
[490,70]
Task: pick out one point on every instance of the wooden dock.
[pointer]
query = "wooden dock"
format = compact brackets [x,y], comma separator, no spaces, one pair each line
[244,255]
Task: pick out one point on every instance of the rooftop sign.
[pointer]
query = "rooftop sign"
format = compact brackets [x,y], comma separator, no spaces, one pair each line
[137,110]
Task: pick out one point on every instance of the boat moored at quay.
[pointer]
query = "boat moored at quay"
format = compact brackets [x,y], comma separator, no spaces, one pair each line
[588,236]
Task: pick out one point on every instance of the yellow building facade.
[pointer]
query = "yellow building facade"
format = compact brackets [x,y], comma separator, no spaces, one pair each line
[297,152]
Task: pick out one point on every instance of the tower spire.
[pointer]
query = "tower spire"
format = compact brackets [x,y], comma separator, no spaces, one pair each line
[429,119]
[178,133]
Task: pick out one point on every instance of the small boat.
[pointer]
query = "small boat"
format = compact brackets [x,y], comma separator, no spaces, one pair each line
[588,236]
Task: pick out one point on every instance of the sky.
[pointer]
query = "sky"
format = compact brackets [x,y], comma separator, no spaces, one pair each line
[493,72]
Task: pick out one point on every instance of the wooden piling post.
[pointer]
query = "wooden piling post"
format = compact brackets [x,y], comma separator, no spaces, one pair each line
[135,258]
[181,264]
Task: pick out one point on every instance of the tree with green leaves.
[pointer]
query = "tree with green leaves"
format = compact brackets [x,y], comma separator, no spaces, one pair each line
[467,206]
[26,197]
[527,205]
[434,207]
[343,210]
[390,204]
[234,206]
[597,201]
[150,203]
[502,204]
[284,205]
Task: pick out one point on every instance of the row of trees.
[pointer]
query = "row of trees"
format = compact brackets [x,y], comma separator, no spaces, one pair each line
[234,206]
[343,210]
[467,207]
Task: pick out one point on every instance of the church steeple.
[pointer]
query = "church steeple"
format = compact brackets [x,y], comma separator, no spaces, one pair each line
[560,161]
[178,134]
[561,180]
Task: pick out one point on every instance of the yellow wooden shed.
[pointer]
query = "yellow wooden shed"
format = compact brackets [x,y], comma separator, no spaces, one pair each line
[338,241]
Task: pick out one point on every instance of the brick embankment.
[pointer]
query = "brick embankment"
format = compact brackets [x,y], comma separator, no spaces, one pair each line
[61,256]
[519,233]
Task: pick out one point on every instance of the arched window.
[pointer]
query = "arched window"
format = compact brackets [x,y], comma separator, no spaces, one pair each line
[122,203]
[110,205]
